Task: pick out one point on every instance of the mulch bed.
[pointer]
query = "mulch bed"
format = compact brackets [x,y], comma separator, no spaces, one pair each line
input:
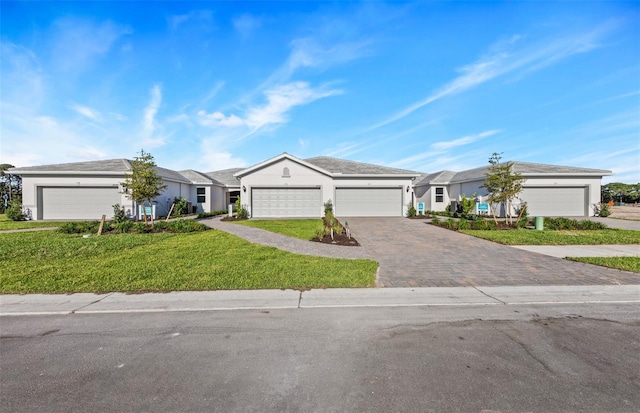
[338,240]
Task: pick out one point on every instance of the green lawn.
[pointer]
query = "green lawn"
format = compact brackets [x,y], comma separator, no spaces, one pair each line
[561,237]
[621,263]
[6,223]
[297,228]
[50,262]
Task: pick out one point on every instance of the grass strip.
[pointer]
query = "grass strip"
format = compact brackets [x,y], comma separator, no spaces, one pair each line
[45,262]
[621,263]
[7,224]
[561,237]
[297,228]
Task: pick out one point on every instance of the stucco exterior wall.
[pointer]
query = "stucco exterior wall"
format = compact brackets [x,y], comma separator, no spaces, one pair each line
[591,183]
[427,194]
[300,175]
[31,183]
[273,175]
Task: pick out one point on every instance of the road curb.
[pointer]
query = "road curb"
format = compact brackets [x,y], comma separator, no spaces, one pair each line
[196,301]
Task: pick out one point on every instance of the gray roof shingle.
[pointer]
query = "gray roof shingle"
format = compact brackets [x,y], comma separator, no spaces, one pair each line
[108,165]
[442,177]
[335,165]
[225,176]
[530,169]
[196,177]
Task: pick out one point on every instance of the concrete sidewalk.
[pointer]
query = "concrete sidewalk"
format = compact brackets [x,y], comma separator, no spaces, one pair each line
[37,304]
[563,251]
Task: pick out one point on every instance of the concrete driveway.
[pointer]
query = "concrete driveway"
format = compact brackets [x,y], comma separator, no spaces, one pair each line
[413,253]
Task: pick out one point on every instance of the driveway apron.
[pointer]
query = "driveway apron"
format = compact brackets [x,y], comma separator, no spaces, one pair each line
[413,253]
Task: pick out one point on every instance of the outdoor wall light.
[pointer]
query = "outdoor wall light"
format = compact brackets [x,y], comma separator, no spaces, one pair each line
[407,188]
[244,188]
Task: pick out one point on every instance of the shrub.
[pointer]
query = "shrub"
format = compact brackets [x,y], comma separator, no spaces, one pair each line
[141,228]
[464,224]
[451,223]
[185,225]
[159,226]
[411,211]
[591,225]
[123,227]
[468,204]
[484,225]
[14,211]
[180,206]
[212,213]
[320,233]
[337,227]
[604,210]
[118,214]
[328,207]
[241,210]
[328,217]
[435,220]
[84,227]
[560,223]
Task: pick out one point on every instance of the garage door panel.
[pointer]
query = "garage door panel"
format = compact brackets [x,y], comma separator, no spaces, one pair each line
[368,202]
[286,202]
[555,201]
[78,202]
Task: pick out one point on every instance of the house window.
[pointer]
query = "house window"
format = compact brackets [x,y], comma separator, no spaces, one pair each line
[439,194]
[201,195]
[233,196]
[285,173]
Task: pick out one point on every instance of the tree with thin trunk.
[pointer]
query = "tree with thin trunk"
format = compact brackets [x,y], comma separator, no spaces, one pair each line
[10,185]
[143,183]
[502,183]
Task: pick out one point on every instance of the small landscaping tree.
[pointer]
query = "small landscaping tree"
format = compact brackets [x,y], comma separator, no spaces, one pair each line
[143,184]
[502,183]
[468,204]
[10,187]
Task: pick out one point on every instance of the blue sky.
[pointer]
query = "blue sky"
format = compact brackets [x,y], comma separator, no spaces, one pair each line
[424,86]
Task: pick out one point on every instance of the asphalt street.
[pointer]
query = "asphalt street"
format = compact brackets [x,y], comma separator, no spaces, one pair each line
[523,357]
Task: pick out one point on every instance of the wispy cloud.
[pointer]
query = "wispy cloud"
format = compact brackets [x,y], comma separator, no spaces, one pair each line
[465,140]
[22,76]
[87,112]
[309,52]
[438,150]
[246,24]
[76,42]
[219,119]
[281,100]
[503,59]
[345,149]
[204,18]
[150,139]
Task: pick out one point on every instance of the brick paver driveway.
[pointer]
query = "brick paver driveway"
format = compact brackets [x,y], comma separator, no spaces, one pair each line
[412,253]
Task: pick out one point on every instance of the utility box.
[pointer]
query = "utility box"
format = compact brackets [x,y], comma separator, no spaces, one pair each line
[539,223]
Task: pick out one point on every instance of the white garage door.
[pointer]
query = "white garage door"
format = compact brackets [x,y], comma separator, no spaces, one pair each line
[78,203]
[286,202]
[368,202]
[563,201]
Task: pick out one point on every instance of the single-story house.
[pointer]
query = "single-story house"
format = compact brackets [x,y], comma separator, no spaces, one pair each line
[548,190]
[88,190]
[287,186]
